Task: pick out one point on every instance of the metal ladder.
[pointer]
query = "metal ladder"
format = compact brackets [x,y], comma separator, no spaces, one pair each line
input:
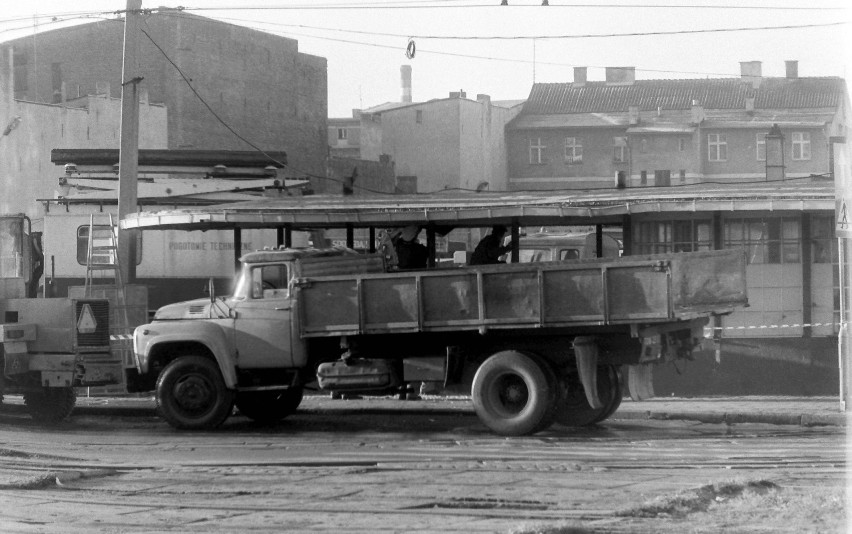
[120,330]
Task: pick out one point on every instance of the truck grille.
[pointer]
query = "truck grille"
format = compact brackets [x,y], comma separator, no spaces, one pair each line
[100,337]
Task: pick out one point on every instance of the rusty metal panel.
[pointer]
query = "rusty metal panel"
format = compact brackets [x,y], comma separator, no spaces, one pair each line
[512,296]
[708,280]
[573,295]
[390,303]
[450,299]
[330,305]
[637,292]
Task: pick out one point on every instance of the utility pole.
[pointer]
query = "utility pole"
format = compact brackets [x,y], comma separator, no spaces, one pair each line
[128,159]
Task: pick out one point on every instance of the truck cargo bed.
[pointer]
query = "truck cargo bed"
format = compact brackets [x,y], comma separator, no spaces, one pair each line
[633,289]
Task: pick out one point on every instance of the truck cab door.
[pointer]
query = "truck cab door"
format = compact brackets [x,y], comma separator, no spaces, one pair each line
[262,324]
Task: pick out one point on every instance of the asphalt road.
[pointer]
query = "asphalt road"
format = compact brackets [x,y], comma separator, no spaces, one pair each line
[408,471]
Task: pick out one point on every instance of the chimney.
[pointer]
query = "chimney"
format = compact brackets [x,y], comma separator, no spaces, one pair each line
[485,99]
[696,113]
[102,88]
[620,75]
[792,69]
[750,71]
[749,105]
[633,115]
[580,76]
[458,94]
[405,72]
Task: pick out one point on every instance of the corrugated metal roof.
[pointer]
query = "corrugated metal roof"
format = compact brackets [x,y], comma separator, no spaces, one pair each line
[725,93]
[483,209]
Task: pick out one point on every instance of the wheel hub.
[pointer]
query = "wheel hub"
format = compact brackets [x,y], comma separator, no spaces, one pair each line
[193,393]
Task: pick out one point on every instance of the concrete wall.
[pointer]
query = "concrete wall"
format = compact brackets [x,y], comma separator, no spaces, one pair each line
[482,144]
[257,83]
[447,144]
[429,149]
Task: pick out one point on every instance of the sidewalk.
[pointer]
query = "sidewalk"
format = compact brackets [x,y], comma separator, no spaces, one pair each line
[800,411]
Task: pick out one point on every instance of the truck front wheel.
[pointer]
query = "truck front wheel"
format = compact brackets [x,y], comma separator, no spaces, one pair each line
[269,406]
[191,394]
[511,394]
[50,405]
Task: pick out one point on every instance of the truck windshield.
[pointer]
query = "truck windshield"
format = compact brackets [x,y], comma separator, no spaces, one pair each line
[263,281]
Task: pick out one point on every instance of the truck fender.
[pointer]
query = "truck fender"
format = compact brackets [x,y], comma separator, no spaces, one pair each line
[150,338]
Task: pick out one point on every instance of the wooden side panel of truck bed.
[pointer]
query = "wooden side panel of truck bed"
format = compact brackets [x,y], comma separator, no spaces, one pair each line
[634,289]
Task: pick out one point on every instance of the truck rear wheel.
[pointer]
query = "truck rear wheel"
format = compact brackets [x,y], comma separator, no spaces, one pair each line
[573,409]
[511,394]
[191,394]
[50,405]
[269,406]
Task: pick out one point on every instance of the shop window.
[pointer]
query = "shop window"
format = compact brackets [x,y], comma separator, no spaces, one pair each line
[774,240]
[658,237]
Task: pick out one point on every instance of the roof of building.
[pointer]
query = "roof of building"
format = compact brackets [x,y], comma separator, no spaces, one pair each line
[720,93]
[486,209]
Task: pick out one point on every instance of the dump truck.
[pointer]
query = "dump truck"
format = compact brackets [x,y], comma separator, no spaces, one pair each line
[48,346]
[537,342]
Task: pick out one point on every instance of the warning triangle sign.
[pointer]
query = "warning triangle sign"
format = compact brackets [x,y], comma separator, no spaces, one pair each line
[86,323]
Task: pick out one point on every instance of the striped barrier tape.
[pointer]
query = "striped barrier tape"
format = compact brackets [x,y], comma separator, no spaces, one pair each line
[764,326]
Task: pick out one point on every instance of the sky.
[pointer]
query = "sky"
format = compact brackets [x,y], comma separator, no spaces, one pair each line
[482,47]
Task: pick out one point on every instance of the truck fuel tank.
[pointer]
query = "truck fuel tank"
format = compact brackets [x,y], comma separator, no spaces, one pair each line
[357,374]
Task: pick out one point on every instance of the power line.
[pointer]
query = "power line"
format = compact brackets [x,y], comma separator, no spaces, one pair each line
[564,36]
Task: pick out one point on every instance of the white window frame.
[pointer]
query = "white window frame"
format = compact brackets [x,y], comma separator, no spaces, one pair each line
[573,151]
[538,150]
[760,143]
[717,147]
[801,146]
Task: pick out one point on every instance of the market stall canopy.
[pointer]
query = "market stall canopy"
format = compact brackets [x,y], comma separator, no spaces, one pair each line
[482,209]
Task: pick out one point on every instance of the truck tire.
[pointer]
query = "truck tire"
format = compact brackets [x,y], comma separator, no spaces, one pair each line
[50,405]
[573,409]
[191,394]
[511,394]
[553,386]
[269,406]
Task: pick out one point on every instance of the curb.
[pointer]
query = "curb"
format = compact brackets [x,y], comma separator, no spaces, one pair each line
[427,408]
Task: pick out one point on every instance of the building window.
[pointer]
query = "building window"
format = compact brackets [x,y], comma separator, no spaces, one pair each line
[657,237]
[760,143]
[823,242]
[418,116]
[573,150]
[766,241]
[717,147]
[801,145]
[681,144]
[101,238]
[536,151]
[643,146]
[342,134]
[682,176]
[619,150]
[643,178]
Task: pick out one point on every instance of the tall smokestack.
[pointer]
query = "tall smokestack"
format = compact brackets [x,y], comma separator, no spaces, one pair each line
[405,72]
